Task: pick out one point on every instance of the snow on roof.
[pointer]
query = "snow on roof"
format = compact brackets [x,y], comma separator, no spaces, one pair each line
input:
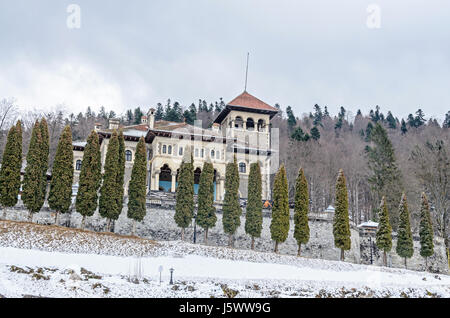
[330,209]
[79,143]
[135,133]
[368,224]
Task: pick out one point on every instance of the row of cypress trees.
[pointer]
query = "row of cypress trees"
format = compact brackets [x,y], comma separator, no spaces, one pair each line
[34,184]
[107,190]
[232,211]
[405,245]
[279,226]
[104,191]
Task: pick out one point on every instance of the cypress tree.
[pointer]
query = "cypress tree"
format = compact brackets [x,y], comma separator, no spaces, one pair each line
[138,186]
[279,227]
[184,207]
[301,208]
[10,170]
[341,225]
[384,232]
[108,203]
[60,196]
[45,151]
[405,247]
[90,178]
[32,181]
[121,173]
[253,216]
[426,230]
[206,214]
[232,211]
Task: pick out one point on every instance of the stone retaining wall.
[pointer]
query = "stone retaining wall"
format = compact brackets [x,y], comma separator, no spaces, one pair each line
[159,224]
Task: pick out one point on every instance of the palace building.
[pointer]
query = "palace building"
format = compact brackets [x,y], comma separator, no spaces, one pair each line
[242,129]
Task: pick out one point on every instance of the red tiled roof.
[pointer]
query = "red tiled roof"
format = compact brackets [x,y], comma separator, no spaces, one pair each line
[250,101]
[142,127]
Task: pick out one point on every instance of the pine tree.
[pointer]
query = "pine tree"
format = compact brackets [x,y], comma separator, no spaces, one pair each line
[315,133]
[184,207]
[253,215]
[384,232]
[10,170]
[405,247]
[90,178]
[159,114]
[32,181]
[341,225]
[232,211]
[120,175]
[385,178]
[426,230]
[138,186]
[392,123]
[108,203]
[206,214]
[279,227]
[301,209]
[291,118]
[60,196]
[45,151]
[403,127]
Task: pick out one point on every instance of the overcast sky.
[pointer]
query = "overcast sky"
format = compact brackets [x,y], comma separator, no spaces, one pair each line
[138,53]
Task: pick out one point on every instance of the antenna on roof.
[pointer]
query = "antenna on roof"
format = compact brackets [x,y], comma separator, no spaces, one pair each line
[246,73]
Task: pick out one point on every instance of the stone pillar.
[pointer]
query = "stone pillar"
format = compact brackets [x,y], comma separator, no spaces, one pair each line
[217,190]
[222,188]
[174,180]
[156,184]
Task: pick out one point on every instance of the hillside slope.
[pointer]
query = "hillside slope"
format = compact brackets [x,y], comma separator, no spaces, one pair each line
[53,261]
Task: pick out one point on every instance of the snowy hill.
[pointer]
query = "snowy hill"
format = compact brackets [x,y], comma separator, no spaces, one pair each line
[50,261]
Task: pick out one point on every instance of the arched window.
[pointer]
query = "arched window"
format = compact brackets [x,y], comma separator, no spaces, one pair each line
[128,155]
[213,153]
[196,152]
[250,124]
[242,167]
[78,165]
[261,125]
[169,150]
[180,151]
[164,148]
[202,153]
[238,122]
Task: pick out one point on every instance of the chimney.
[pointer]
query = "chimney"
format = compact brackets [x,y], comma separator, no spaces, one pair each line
[143,120]
[114,123]
[151,118]
[216,127]
[97,126]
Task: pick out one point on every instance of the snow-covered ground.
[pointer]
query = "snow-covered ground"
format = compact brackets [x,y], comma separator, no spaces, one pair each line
[56,262]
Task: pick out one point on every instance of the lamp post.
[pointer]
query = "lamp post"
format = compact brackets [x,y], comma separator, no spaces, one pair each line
[195,228]
[160,269]
[171,276]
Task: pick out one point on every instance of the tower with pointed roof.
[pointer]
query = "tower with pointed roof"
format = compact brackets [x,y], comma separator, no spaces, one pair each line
[246,119]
